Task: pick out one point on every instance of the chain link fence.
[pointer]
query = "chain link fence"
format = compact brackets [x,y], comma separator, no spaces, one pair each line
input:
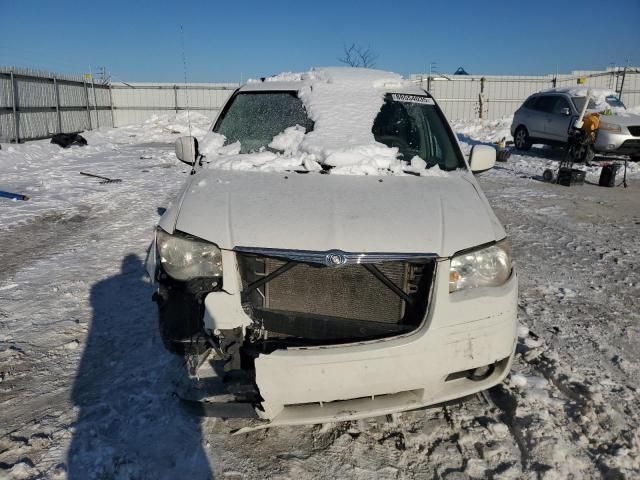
[36,104]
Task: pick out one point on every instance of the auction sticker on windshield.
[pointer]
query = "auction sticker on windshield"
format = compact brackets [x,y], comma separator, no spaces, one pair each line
[403,97]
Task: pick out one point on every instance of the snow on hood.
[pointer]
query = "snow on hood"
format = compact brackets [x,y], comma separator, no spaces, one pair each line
[321,212]
[343,103]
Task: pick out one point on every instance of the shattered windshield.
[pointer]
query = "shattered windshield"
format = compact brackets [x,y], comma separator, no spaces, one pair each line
[414,125]
[255,118]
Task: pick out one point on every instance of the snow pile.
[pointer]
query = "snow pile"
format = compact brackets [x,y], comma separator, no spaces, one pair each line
[490,131]
[289,141]
[343,103]
[164,128]
[157,129]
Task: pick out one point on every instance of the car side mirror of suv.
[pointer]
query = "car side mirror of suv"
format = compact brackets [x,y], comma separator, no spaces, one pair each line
[187,150]
[482,158]
[565,111]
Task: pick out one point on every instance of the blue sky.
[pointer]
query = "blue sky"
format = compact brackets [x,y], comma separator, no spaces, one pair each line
[227,41]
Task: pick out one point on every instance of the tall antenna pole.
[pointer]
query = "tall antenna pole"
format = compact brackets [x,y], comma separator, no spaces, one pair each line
[186,90]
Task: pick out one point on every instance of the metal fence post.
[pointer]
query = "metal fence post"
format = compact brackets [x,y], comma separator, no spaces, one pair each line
[113,119]
[624,74]
[55,88]
[86,95]
[481,99]
[95,102]
[14,94]
[175,97]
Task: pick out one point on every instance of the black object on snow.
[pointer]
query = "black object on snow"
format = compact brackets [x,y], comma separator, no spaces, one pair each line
[608,175]
[65,140]
[503,155]
[568,176]
[460,71]
[104,179]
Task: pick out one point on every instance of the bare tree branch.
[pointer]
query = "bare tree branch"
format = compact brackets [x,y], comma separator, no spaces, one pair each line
[357,56]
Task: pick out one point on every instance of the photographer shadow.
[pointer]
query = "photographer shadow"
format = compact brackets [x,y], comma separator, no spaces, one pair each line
[130,425]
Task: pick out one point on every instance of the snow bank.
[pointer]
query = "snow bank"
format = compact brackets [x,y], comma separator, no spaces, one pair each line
[486,131]
[343,103]
[158,128]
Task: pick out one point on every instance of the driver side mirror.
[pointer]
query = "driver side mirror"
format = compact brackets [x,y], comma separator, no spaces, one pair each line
[482,158]
[565,111]
[187,150]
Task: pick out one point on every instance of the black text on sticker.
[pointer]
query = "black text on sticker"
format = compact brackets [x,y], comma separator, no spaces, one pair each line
[403,97]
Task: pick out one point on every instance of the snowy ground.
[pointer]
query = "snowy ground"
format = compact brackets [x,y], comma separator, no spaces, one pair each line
[86,387]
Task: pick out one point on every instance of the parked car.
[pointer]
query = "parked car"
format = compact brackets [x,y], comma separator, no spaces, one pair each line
[547,117]
[355,269]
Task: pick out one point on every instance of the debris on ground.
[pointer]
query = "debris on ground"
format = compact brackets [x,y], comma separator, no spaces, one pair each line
[66,140]
[13,196]
[104,179]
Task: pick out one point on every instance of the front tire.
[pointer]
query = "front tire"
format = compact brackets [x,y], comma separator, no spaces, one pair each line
[521,139]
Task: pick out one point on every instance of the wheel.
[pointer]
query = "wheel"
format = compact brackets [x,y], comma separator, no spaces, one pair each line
[547,175]
[521,139]
[584,154]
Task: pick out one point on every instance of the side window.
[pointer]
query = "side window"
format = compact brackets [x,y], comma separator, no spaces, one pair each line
[417,128]
[395,128]
[561,103]
[546,103]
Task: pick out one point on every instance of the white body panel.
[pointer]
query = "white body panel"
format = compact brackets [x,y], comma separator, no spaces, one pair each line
[440,215]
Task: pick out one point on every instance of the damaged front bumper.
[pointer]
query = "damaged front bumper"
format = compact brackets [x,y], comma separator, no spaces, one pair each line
[461,331]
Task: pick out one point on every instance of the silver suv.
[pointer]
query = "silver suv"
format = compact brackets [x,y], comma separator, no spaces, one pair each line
[546,117]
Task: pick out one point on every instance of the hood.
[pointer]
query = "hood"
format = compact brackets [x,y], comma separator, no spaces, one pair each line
[622,118]
[360,214]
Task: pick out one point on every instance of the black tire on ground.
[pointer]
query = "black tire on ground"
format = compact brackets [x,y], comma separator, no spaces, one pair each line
[585,154]
[521,139]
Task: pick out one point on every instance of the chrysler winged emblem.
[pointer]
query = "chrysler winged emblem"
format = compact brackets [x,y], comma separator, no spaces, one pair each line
[335,259]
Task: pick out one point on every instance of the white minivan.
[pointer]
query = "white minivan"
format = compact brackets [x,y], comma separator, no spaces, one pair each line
[334,251]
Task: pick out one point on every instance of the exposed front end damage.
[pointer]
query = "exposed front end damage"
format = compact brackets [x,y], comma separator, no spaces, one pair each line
[329,336]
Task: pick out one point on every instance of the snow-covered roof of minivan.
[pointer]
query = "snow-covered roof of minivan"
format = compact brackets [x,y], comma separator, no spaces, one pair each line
[347,77]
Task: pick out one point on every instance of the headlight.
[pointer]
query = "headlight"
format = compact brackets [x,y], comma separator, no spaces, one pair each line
[609,127]
[485,267]
[185,257]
